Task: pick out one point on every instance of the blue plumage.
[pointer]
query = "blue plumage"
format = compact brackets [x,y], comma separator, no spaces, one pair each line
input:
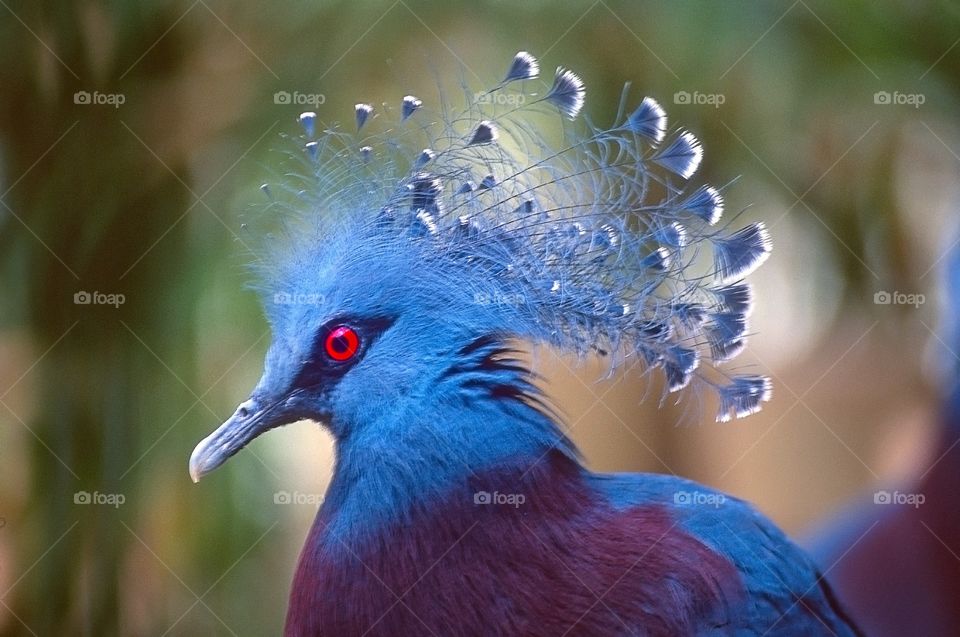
[577,228]
[649,120]
[706,203]
[406,259]
[363,112]
[567,92]
[409,105]
[523,67]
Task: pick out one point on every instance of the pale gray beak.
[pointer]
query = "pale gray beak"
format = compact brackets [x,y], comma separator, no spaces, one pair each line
[249,420]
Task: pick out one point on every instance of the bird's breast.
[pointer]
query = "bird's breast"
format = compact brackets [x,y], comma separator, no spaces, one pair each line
[519,549]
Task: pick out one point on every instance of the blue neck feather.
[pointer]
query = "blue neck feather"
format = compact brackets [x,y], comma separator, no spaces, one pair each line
[482,412]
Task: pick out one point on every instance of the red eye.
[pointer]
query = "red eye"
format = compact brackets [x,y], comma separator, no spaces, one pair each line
[342,343]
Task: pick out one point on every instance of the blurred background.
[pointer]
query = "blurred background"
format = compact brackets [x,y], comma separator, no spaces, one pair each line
[133,139]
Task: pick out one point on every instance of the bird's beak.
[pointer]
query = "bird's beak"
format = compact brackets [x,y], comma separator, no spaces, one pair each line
[251,419]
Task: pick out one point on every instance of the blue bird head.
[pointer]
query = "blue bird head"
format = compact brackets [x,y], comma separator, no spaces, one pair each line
[411,250]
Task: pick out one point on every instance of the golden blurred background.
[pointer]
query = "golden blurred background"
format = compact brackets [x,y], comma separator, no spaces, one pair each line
[134,136]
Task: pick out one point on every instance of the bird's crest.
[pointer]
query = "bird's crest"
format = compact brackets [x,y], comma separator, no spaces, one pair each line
[587,238]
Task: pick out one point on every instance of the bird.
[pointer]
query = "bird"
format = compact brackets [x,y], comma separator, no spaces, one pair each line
[890,555]
[409,258]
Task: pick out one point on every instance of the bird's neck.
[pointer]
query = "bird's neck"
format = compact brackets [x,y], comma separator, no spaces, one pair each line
[476,441]
[481,412]
[355,566]
[384,476]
